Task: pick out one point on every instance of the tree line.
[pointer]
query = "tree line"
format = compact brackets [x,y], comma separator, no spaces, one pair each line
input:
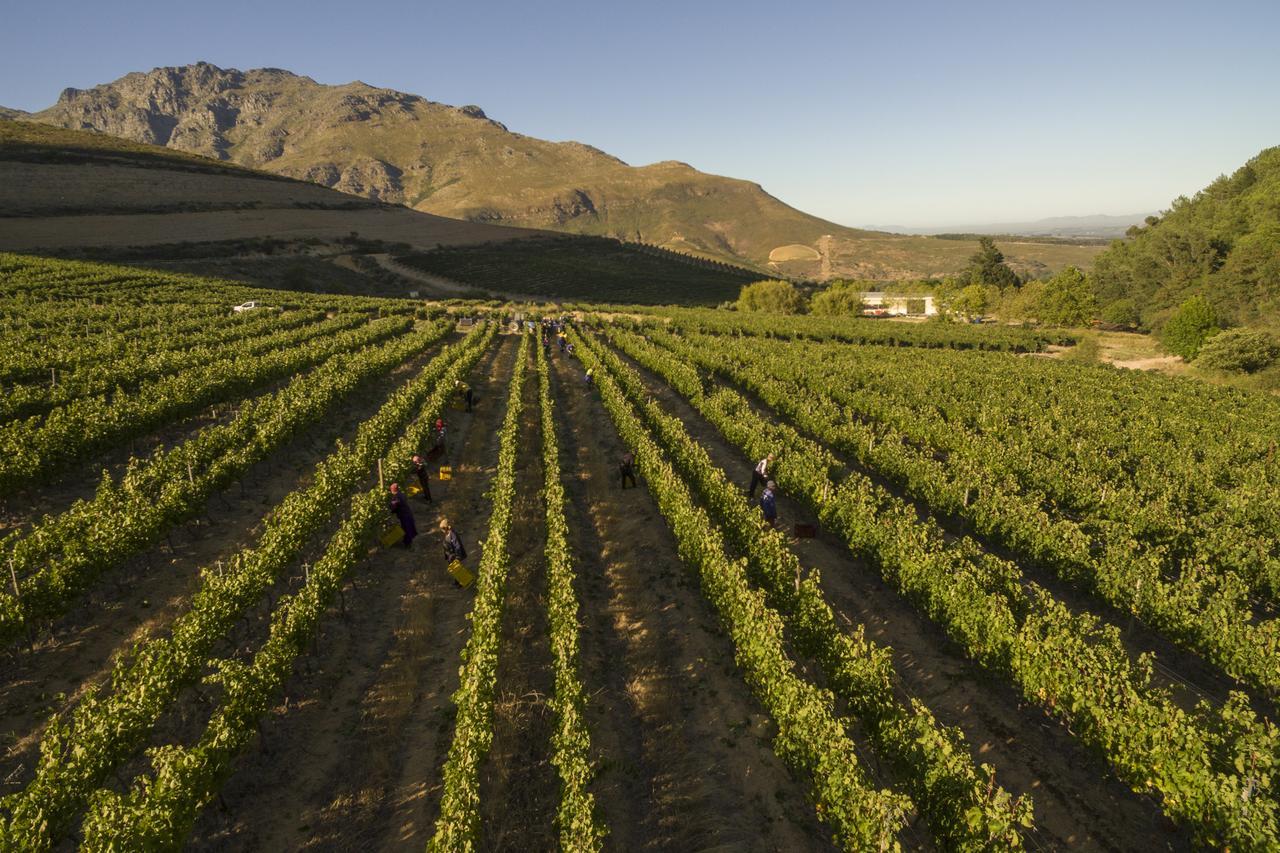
[1204,277]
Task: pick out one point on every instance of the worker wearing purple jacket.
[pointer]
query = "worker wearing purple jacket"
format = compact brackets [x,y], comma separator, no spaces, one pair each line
[400,509]
[769,503]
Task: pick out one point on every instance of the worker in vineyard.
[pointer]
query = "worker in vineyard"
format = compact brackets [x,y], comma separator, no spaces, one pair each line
[420,468]
[769,504]
[400,509]
[590,375]
[759,474]
[440,433]
[626,469]
[453,547]
[468,395]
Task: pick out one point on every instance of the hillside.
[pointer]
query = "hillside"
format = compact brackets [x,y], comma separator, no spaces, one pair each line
[1223,243]
[99,196]
[61,189]
[455,161]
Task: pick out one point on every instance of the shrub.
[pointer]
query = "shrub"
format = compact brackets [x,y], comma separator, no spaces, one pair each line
[1190,326]
[1239,351]
[838,300]
[771,295]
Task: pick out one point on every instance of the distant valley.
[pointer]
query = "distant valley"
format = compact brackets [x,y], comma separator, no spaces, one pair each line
[1097,226]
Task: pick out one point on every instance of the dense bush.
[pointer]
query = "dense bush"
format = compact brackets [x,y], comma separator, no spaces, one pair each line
[1190,326]
[839,300]
[772,296]
[1239,351]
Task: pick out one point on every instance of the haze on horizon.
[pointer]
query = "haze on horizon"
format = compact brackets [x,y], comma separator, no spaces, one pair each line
[923,114]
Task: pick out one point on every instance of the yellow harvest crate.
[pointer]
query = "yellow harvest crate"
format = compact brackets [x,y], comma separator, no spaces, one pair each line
[392,535]
[446,472]
[461,574]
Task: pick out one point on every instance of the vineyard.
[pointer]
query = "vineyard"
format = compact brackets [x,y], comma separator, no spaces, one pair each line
[1011,602]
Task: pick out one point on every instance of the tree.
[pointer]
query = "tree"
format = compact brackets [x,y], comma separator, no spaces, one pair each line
[1123,313]
[1238,351]
[1190,326]
[972,301]
[772,296]
[1022,303]
[841,299]
[1067,300]
[987,266]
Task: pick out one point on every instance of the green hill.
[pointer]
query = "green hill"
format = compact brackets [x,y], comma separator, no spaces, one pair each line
[456,162]
[1224,244]
[83,194]
[577,267]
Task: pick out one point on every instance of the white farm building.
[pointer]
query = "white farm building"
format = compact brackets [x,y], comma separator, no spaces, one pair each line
[880,304]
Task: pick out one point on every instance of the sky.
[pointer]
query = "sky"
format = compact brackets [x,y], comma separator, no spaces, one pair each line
[887,113]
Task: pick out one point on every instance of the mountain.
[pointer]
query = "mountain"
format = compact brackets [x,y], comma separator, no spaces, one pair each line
[1068,227]
[1223,243]
[9,113]
[86,194]
[457,162]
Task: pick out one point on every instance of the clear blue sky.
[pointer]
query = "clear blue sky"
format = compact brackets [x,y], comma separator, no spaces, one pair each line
[911,113]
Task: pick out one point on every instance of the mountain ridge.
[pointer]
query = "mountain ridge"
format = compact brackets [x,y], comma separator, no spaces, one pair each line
[396,147]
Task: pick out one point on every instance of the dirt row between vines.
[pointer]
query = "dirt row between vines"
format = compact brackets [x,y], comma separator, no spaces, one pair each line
[1079,804]
[683,750]
[519,788]
[139,599]
[351,757]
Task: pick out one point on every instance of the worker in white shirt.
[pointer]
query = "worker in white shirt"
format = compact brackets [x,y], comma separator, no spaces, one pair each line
[759,475]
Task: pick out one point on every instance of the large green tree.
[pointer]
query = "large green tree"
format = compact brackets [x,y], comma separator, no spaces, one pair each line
[1239,351]
[1067,300]
[987,266]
